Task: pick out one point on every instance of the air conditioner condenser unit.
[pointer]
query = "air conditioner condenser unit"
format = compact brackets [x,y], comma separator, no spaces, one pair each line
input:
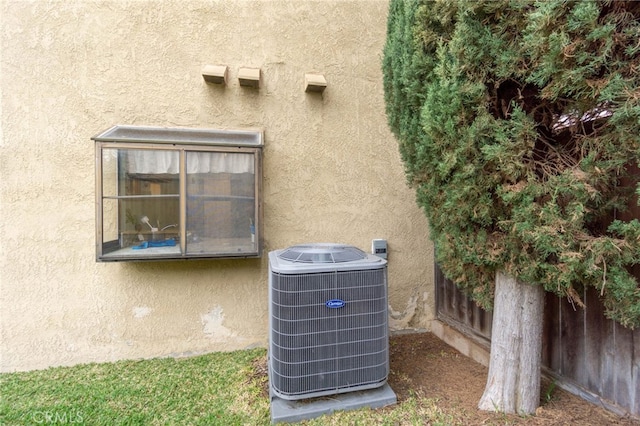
[328,321]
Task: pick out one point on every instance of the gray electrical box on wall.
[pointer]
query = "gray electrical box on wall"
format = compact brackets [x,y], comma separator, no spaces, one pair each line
[379,248]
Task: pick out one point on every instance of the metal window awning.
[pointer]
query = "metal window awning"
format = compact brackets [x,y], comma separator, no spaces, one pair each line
[181,135]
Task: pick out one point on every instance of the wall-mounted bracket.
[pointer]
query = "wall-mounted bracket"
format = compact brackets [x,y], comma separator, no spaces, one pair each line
[314,82]
[249,77]
[216,74]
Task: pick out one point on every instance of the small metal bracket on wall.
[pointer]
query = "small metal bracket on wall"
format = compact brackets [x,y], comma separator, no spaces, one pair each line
[314,82]
[249,77]
[216,74]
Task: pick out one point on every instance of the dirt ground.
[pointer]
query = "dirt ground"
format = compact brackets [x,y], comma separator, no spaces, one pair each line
[424,364]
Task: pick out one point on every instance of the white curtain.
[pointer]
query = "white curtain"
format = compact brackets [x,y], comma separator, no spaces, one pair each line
[219,162]
[167,162]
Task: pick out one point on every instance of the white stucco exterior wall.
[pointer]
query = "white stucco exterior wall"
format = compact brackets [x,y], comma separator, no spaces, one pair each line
[332,173]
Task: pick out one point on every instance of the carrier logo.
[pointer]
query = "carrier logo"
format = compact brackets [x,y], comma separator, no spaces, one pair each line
[335,303]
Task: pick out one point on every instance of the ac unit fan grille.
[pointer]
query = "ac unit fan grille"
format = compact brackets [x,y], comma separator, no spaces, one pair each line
[322,253]
[316,349]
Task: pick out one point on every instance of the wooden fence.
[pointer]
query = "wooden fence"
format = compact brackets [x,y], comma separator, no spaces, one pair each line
[587,353]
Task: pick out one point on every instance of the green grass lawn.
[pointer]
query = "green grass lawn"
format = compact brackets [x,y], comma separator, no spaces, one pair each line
[213,389]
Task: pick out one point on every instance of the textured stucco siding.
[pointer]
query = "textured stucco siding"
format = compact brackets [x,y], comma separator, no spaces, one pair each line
[70,69]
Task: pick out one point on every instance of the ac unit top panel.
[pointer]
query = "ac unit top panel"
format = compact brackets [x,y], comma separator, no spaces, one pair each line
[322,257]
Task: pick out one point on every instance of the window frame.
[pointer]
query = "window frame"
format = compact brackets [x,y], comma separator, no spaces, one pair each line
[182,140]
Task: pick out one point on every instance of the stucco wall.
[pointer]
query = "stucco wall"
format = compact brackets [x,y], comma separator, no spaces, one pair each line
[70,69]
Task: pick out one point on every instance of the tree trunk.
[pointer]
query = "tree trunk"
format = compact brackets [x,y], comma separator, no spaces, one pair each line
[513,383]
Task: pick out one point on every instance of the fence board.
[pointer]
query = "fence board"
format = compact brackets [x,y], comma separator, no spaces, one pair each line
[635,371]
[458,310]
[551,337]
[596,328]
[623,375]
[572,340]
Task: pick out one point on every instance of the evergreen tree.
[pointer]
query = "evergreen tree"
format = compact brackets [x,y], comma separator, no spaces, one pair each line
[519,126]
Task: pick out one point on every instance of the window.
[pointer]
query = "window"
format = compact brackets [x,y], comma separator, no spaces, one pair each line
[177,193]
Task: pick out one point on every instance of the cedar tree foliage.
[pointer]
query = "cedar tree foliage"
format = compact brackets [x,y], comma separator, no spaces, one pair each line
[517,121]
